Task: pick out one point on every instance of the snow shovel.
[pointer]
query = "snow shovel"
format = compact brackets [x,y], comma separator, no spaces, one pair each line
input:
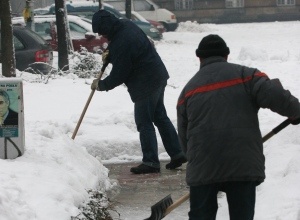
[166,205]
[87,103]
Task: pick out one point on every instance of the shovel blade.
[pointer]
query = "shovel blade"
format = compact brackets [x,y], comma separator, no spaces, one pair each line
[158,210]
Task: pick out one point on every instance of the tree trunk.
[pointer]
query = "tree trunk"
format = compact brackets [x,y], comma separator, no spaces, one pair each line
[62,43]
[7,47]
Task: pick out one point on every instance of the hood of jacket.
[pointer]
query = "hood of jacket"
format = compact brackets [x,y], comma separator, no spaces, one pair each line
[104,23]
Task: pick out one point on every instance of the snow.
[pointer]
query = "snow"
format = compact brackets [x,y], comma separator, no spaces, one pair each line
[52,177]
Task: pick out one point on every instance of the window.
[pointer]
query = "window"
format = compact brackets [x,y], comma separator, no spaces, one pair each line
[184,4]
[142,6]
[18,44]
[234,3]
[76,28]
[43,29]
[285,2]
[76,31]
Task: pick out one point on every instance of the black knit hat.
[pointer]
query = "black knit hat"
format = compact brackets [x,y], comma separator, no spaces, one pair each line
[212,45]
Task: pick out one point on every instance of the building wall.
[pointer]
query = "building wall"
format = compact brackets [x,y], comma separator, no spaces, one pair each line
[214,11]
[209,11]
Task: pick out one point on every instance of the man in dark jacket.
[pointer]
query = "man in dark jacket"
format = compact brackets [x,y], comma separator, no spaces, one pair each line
[136,63]
[219,131]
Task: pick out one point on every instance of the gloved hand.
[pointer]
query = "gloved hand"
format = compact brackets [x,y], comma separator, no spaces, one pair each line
[95,85]
[295,121]
[105,56]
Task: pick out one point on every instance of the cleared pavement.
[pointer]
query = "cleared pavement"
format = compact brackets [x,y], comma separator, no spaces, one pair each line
[134,195]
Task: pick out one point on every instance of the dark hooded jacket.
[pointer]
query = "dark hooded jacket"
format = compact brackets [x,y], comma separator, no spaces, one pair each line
[218,123]
[134,59]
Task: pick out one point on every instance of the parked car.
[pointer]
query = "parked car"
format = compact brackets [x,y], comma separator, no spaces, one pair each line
[159,26]
[81,32]
[32,52]
[88,8]
[135,16]
[149,10]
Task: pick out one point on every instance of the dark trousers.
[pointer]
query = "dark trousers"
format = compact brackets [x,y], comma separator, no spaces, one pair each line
[240,197]
[147,113]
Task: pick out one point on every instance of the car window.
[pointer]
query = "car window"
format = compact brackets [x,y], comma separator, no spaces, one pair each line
[43,29]
[34,35]
[142,6]
[18,44]
[76,31]
[76,28]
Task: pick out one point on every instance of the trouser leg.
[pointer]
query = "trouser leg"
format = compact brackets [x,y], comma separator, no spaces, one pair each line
[241,199]
[203,202]
[166,129]
[144,113]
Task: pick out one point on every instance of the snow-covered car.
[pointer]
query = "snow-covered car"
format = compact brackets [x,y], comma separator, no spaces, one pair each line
[81,32]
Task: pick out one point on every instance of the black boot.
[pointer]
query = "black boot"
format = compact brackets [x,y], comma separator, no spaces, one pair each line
[176,163]
[144,169]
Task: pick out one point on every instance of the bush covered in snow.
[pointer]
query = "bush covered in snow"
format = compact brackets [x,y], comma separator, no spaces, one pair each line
[96,208]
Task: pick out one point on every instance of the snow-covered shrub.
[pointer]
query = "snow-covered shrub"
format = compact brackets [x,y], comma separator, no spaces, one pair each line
[96,208]
[85,64]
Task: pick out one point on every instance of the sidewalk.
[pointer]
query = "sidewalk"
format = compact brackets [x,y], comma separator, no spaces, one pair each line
[137,193]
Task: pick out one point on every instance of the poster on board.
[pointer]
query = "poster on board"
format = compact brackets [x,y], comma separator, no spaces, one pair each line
[11,118]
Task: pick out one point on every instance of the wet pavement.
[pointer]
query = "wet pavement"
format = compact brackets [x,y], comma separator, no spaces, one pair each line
[134,194]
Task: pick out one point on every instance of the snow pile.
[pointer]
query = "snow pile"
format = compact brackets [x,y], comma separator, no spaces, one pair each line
[253,53]
[194,26]
[53,172]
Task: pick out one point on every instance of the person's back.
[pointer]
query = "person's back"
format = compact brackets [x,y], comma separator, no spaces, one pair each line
[219,130]
[221,108]
[134,59]
[140,60]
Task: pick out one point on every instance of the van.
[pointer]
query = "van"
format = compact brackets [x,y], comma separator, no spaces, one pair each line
[148,10]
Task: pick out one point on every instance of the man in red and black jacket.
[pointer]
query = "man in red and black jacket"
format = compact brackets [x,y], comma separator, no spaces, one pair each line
[219,131]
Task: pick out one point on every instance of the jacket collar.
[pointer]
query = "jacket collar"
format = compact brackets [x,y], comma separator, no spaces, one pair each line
[211,60]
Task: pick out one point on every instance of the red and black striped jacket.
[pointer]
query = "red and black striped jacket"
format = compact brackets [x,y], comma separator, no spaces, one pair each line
[217,118]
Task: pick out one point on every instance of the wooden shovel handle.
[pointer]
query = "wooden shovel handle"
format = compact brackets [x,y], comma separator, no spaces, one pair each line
[87,103]
[177,203]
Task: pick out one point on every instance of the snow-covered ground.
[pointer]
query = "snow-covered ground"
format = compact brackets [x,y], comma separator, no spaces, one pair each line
[50,180]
